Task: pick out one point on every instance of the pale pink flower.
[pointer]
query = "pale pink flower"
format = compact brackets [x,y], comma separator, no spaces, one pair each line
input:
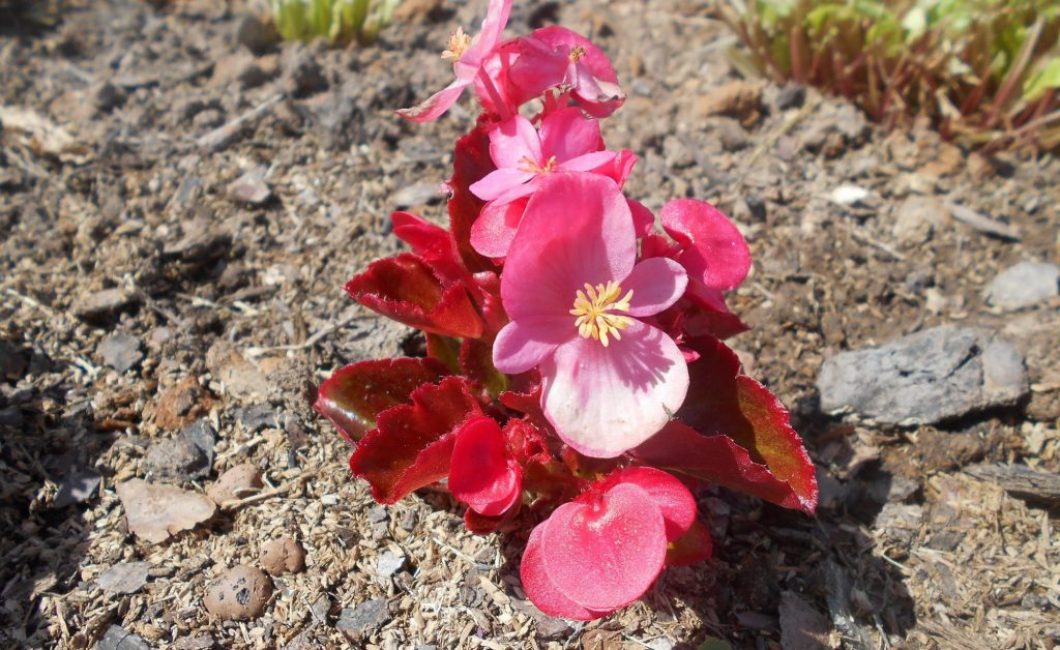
[575,296]
[468,55]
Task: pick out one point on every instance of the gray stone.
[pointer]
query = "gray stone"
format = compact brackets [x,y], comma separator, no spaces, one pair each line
[421,193]
[76,487]
[104,304]
[201,434]
[389,563]
[917,218]
[356,621]
[120,351]
[116,638]
[176,459]
[924,378]
[801,626]
[250,188]
[124,578]
[1023,285]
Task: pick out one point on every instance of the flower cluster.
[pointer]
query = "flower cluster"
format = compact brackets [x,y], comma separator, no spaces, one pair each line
[575,374]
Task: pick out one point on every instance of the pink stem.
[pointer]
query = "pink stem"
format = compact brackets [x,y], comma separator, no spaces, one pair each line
[494,95]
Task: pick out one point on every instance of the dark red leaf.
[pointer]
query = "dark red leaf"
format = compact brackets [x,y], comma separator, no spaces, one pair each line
[691,548]
[471,162]
[483,525]
[412,444]
[408,290]
[432,243]
[476,362]
[709,315]
[445,349]
[353,396]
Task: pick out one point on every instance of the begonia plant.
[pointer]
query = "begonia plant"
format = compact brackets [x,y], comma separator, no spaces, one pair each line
[575,382]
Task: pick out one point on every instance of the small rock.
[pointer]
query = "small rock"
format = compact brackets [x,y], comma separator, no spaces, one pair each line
[848,195]
[924,378]
[256,417]
[356,621]
[250,188]
[104,304]
[106,96]
[202,243]
[377,514]
[239,377]
[733,137]
[256,34]
[124,578]
[76,487]
[917,218]
[120,351]
[900,523]
[418,11]
[791,96]
[283,555]
[188,456]
[389,563]
[180,404]
[552,629]
[739,99]
[156,512]
[801,626]
[239,594]
[195,642]
[116,638]
[1023,285]
[421,193]
[236,483]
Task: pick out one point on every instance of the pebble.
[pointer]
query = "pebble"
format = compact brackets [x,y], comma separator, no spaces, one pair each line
[924,378]
[124,578]
[239,594]
[356,621]
[76,487]
[739,99]
[421,193]
[176,459]
[283,555]
[1023,285]
[848,195]
[917,219]
[250,189]
[157,512]
[389,563]
[116,638]
[120,351]
[104,304]
[238,482]
[791,96]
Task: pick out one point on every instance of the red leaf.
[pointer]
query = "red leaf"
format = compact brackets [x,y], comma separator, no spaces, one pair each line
[710,315]
[691,548]
[742,437]
[353,396]
[476,362]
[482,473]
[432,243]
[412,444]
[471,162]
[407,289]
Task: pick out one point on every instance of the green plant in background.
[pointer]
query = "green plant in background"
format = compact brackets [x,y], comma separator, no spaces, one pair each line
[986,71]
[339,21]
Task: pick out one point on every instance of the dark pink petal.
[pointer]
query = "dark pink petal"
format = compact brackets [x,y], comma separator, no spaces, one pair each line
[604,550]
[489,34]
[481,472]
[605,401]
[593,77]
[537,68]
[493,231]
[620,168]
[675,502]
[643,220]
[568,133]
[577,229]
[498,183]
[715,253]
[713,318]
[523,344]
[539,588]
[514,142]
[656,284]
[438,103]
[587,162]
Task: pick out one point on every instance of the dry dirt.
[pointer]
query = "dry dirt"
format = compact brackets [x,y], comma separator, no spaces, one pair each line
[117,218]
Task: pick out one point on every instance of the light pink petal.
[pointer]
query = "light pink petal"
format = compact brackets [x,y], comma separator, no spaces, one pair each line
[643,219]
[605,401]
[438,103]
[656,284]
[499,182]
[568,133]
[481,472]
[523,344]
[604,550]
[675,502]
[489,35]
[588,162]
[715,252]
[514,142]
[576,229]
[539,588]
[620,168]
[538,67]
[497,223]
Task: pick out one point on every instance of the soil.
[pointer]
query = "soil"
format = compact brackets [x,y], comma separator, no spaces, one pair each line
[118,217]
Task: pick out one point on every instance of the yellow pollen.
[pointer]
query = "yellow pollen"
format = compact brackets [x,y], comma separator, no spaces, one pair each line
[593,309]
[576,53]
[458,44]
[531,167]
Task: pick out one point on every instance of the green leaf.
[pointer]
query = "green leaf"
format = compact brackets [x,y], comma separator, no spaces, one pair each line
[1046,78]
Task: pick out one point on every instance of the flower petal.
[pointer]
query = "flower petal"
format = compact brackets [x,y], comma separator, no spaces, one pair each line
[499,182]
[523,344]
[604,550]
[588,162]
[539,587]
[481,473]
[493,231]
[548,264]
[603,401]
[568,133]
[643,219]
[675,502]
[490,33]
[513,141]
[715,252]
[438,103]
[656,283]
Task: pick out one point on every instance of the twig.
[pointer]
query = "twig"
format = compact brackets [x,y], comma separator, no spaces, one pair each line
[223,136]
[268,494]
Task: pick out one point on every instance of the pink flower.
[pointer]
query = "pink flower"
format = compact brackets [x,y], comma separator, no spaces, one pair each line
[468,56]
[603,550]
[555,57]
[575,296]
[482,473]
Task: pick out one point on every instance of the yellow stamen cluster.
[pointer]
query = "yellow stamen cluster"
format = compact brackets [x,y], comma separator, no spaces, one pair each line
[593,309]
[531,167]
[576,53]
[458,44]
